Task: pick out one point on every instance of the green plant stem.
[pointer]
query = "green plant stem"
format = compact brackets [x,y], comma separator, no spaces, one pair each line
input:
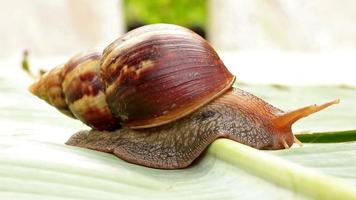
[328,137]
[281,172]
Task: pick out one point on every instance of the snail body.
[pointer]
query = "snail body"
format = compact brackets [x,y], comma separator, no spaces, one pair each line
[158,96]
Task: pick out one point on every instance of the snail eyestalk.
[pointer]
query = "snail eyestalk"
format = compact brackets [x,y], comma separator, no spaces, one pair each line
[287,119]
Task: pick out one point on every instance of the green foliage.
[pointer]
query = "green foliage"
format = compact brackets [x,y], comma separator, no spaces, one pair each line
[181,12]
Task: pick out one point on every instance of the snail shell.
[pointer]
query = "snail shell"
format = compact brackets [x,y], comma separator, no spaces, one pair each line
[148,77]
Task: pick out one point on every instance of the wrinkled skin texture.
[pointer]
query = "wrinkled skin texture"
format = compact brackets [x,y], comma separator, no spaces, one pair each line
[178,144]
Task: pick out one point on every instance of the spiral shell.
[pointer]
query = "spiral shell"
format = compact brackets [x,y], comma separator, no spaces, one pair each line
[148,77]
[159,73]
[49,88]
[78,91]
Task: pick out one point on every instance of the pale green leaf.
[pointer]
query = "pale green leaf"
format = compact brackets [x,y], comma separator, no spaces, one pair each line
[35,163]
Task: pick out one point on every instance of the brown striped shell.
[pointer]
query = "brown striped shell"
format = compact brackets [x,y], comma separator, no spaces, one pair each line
[77,90]
[148,77]
[49,88]
[159,73]
[85,92]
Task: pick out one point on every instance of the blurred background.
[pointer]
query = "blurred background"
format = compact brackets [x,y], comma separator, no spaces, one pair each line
[261,41]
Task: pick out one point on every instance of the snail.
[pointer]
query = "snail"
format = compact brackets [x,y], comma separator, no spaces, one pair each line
[158,96]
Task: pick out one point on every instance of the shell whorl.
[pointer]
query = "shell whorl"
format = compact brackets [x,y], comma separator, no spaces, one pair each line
[79,91]
[159,73]
[49,88]
[148,77]
[85,93]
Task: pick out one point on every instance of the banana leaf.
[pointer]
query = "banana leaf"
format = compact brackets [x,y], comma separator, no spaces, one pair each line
[35,163]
